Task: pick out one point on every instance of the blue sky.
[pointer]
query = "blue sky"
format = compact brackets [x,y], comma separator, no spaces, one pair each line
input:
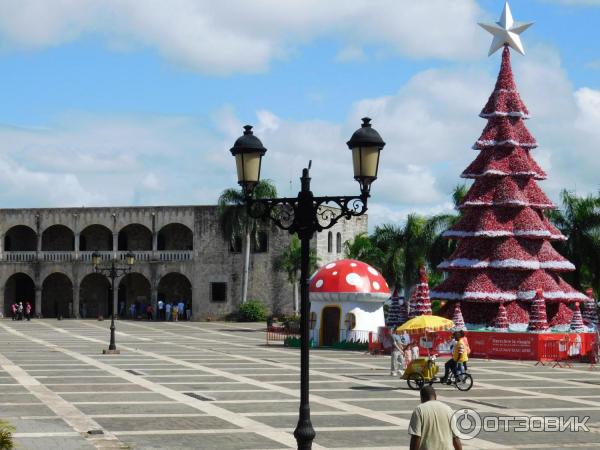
[107,103]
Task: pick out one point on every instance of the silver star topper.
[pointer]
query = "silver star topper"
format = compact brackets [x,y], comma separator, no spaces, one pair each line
[506,31]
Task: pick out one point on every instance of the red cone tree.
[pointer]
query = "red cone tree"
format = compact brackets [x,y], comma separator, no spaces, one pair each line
[457,318]
[538,321]
[420,303]
[501,321]
[577,321]
[504,252]
[397,313]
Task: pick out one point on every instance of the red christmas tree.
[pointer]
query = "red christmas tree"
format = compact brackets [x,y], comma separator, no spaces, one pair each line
[457,318]
[577,321]
[420,303]
[504,252]
[538,321]
[590,312]
[501,322]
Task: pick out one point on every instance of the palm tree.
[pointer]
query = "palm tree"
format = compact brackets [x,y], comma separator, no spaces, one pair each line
[363,248]
[235,222]
[579,220]
[289,262]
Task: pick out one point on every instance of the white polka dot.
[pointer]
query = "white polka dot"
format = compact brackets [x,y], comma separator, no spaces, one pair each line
[319,283]
[352,264]
[373,271]
[334,273]
[376,285]
[330,266]
[354,280]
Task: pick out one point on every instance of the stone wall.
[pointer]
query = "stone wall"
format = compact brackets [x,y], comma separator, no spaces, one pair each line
[194,248]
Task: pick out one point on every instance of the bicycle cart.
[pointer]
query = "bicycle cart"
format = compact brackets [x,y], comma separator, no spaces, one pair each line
[424,370]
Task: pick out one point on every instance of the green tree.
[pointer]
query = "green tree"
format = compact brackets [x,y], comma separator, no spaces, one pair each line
[235,223]
[6,438]
[579,220]
[363,248]
[289,262]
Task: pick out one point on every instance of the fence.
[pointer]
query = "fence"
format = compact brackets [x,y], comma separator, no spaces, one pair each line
[279,334]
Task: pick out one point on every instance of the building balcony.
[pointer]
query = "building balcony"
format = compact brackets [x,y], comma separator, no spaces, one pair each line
[86,256]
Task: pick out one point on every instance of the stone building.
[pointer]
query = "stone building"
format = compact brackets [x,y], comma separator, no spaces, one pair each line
[46,259]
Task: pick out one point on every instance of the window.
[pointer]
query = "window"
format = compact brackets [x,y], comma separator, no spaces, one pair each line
[350,321]
[218,292]
[260,243]
[338,243]
[329,242]
[235,244]
[312,321]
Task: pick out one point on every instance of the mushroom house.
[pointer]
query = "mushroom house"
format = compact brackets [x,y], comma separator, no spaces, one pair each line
[346,298]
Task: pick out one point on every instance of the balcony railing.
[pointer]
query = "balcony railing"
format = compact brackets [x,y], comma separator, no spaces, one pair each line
[86,256]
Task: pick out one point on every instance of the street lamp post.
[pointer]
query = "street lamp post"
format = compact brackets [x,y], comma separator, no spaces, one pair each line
[305,215]
[113,272]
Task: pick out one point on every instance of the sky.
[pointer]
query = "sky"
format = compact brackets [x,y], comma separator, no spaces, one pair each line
[123,102]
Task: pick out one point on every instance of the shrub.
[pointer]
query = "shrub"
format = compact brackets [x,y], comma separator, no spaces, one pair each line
[6,440]
[252,311]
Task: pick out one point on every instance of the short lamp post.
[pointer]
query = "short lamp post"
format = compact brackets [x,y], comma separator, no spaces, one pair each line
[113,272]
[305,215]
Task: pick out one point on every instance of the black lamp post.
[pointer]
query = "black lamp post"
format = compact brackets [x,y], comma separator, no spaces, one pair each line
[305,215]
[113,272]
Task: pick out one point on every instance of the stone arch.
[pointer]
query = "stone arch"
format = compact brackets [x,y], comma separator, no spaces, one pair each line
[134,289]
[95,237]
[58,238]
[19,287]
[57,296]
[175,236]
[135,236]
[175,286]
[20,238]
[95,297]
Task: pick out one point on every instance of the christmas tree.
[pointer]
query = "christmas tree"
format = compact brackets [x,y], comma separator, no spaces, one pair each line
[457,318]
[501,322]
[397,313]
[420,304]
[538,321]
[504,252]
[577,321]
[590,312]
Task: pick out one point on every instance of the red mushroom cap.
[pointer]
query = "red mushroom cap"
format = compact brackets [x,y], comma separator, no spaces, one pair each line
[348,279]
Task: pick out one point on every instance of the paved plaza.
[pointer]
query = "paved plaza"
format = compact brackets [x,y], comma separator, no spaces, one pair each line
[218,386]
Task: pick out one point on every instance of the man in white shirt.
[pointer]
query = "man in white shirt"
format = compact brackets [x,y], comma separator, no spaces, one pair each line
[430,424]
[161,310]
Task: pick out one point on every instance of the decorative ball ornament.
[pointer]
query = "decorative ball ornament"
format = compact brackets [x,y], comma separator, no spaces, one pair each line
[506,31]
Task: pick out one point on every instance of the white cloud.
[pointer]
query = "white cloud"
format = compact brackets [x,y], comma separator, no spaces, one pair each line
[576,2]
[233,36]
[351,53]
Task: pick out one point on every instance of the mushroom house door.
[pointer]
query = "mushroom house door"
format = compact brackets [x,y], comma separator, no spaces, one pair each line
[330,325]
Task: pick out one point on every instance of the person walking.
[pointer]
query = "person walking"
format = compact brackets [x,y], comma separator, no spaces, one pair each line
[168,307]
[161,310]
[13,307]
[28,310]
[188,312]
[174,312]
[429,426]
[396,354]
[20,311]
[149,312]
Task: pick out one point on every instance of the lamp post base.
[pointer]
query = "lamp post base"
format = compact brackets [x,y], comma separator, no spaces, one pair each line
[107,351]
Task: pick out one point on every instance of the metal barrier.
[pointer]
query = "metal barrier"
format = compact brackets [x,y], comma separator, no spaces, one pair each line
[279,334]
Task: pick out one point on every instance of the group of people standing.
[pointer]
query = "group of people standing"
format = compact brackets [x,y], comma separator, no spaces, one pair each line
[403,352]
[20,311]
[174,311]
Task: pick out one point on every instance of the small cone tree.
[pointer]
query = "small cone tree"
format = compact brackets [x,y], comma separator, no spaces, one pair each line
[501,322]
[457,318]
[538,321]
[590,312]
[397,313]
[422,303]
[577,321]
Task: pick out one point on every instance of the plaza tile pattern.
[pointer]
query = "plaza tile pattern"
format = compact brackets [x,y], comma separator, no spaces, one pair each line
[218,386]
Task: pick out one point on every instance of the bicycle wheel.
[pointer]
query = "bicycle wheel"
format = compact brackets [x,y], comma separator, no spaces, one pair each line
[415,381]
[463,382]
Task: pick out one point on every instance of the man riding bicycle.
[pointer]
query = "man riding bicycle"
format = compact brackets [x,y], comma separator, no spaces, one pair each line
[459,357]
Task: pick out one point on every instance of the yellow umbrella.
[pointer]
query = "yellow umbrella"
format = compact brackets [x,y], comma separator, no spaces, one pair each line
[425,324]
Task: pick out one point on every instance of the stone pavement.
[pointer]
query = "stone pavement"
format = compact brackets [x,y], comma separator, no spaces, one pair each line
[218,386]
